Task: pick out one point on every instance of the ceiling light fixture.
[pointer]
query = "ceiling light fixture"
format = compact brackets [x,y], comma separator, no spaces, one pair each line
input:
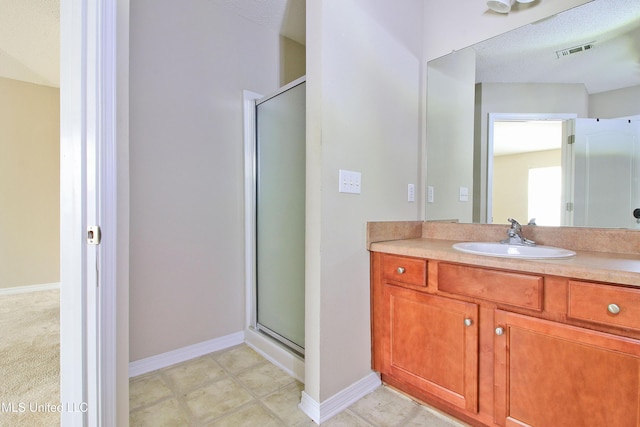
[504,6]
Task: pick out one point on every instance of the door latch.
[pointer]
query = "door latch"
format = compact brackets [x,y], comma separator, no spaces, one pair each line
[93,235]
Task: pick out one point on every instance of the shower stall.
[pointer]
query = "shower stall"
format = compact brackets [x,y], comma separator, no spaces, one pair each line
[277,184]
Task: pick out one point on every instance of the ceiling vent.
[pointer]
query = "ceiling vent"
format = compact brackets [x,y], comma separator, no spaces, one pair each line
[576,49]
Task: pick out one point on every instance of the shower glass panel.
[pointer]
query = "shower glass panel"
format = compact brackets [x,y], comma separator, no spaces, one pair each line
[280,216]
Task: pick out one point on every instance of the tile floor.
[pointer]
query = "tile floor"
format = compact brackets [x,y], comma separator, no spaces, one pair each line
[238,387]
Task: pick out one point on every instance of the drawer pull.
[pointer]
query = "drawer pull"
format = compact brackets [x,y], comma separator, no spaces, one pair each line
[400,270]
[499,331]
[613,308]
[468,322]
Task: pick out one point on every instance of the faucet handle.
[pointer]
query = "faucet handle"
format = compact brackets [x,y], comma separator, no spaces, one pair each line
[515,235]
[514,224]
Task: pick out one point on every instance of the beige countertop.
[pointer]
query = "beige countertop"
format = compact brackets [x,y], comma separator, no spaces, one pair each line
[586,265]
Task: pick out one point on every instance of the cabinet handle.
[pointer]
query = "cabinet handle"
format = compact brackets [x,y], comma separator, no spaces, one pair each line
[613,308]
[400,270]
[468,322]
[499,331]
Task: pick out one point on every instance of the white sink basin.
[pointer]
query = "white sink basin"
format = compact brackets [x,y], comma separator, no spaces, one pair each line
[513,251]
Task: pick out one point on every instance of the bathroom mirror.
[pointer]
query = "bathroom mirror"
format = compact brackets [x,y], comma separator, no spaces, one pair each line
[579,64]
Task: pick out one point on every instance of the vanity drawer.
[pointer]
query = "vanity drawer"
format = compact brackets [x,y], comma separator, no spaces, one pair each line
[519,290]
[412,271]
[604,304]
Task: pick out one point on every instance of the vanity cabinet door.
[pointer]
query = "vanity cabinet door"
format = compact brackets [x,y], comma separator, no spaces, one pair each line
[549,374]
[433,344]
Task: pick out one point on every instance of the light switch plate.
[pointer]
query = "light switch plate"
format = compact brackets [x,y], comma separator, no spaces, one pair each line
[464,194]
[411,193]
[349,181]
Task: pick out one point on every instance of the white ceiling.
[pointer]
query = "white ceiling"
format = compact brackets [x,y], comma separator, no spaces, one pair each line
[30,33]
[515,137]
[528,54]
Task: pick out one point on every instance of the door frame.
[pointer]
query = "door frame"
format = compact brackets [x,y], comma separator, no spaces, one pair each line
[93,48]
[501,117]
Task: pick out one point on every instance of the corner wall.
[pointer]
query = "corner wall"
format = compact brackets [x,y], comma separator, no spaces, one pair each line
[450,114]
[615,103]
[363,114]
[29,184]
[189,63]
[292,60]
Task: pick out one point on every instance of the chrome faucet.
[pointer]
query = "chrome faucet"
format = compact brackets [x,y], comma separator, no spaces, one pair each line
[515,235]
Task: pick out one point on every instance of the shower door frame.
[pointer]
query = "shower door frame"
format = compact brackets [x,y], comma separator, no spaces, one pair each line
[250,100]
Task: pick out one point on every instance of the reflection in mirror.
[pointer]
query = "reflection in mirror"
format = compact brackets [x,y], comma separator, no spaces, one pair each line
[537,172]
[605,190]
[533,74]
[525,170]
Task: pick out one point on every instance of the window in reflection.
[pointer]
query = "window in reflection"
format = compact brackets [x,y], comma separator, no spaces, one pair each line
[545,195]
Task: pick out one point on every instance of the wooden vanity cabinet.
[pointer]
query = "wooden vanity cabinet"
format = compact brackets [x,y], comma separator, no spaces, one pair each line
[503,348]
[422,341]
[550,374]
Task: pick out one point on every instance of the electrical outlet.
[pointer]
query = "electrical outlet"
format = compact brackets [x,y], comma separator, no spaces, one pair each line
[411,193]
[349,181]
[430,192]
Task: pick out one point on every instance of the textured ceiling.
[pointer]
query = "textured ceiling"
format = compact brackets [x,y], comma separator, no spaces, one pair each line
[528,54]
[29,41]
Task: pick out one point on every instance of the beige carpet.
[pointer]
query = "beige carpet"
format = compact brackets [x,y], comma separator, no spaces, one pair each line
[30,359]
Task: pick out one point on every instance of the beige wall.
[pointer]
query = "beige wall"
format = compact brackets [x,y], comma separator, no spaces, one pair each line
[450,114]
[292,60]
[189,64]
[363,96]
[615,103]
[29,184]
[511,182]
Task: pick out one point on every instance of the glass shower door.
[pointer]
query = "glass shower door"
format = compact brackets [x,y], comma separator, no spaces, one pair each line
[280,215]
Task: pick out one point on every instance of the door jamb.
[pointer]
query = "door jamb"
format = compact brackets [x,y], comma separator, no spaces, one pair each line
[495,117]
[90,41]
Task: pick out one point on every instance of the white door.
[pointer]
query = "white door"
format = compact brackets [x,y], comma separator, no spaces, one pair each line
[606,168]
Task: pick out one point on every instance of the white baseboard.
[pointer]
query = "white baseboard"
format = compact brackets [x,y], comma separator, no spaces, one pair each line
[29,288]
[321,412]
[153,363]
[276,354]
